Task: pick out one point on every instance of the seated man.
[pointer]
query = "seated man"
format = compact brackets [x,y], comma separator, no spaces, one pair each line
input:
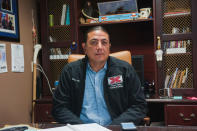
[98,88]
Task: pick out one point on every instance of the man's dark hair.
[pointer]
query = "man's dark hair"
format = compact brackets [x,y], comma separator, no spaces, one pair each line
[94,29]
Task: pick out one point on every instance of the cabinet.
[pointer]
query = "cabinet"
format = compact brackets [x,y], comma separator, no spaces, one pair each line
[43,112]
[58,40]
[139,36]
[177,30]
[171,112]
[179,114]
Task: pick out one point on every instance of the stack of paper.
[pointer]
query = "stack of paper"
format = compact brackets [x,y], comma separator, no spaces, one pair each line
[80,127]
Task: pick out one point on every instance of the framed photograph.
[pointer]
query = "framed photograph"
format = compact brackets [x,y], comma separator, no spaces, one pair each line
[117,7]
[9,21]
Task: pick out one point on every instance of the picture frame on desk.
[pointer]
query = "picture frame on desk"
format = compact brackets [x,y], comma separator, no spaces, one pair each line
[9,20]
[118,10]
[117,7]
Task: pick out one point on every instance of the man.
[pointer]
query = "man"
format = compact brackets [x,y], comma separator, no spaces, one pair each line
[98,88]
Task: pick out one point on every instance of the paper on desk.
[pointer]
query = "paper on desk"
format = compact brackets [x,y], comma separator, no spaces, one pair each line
[79,127]
[17,58]
[62,128]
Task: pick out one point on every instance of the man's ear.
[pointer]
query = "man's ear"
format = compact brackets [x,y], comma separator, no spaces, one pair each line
[109,46]
[84,47]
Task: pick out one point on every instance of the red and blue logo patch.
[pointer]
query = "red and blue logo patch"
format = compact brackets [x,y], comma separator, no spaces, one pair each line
[115,81]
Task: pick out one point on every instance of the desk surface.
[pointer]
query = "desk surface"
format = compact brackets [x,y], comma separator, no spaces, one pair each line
[170,101]
[151,100]
[118,128]
[139,128]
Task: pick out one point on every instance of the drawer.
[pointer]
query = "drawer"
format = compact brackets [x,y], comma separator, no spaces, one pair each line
[181,115]
[43,113]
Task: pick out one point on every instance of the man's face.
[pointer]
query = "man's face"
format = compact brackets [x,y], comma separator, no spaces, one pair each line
[97,47]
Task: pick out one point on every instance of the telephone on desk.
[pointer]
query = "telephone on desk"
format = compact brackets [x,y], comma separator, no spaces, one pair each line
[19,128]
[149,89]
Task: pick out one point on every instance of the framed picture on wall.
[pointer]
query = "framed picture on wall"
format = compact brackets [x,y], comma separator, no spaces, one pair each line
[9,21]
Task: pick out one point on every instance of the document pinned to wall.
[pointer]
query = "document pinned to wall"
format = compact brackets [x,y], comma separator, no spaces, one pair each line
[3,61]
[17,56]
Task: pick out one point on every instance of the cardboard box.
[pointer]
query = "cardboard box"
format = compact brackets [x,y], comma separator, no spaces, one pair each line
[118,17]
[118,10]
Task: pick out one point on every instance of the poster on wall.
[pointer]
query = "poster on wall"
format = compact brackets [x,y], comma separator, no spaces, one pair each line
[17,57]
[3,61]
[9,21]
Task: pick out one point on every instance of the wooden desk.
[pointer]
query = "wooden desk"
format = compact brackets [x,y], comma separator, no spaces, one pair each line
[184,128]
[118,128]
[173,112]
[139,128]
[160,110]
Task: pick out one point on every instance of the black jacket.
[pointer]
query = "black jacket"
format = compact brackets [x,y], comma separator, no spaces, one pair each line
[124,97]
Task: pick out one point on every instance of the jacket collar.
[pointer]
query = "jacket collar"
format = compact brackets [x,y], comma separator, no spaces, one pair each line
[109,60]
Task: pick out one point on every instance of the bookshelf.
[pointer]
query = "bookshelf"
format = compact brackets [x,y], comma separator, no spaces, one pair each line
[177,72]
[116,22]
[56,38]
[176,29]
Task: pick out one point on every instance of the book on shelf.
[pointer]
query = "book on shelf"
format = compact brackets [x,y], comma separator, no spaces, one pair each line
[176,44]
[68,16]
[180,79]
[173,78]
[167,14]
[167,79]
[176,47]
[59,57]
[63,16]
[176,79]
[170,81]
[185,76]
[175,50]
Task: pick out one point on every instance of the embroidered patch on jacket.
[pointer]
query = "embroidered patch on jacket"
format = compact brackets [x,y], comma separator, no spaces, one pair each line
[115,82]
[75,80]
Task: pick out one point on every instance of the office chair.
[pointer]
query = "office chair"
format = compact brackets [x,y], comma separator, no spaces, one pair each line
[122,55]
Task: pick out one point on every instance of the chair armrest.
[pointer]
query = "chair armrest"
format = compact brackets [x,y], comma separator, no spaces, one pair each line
[147,121]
